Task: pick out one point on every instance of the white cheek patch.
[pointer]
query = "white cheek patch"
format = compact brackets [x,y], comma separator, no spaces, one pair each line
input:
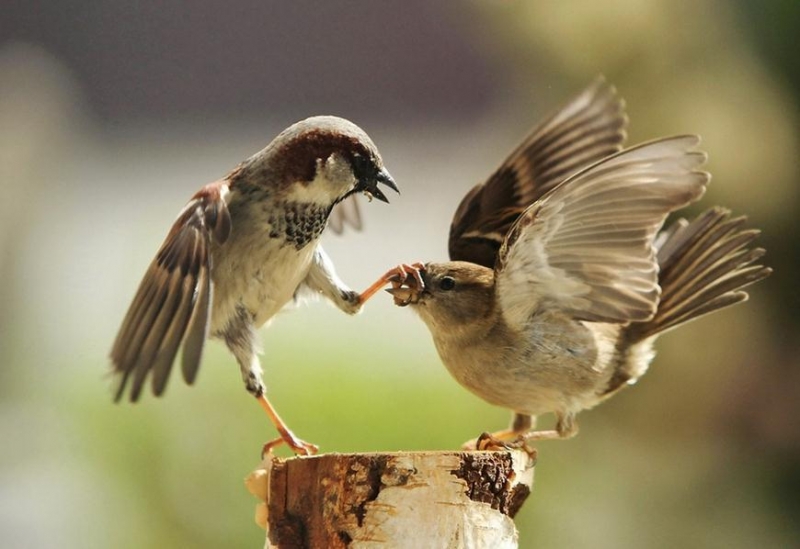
[338,174]
[334,178]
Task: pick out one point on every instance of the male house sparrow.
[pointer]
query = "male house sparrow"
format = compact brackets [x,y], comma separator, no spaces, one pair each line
[240,250]
[559,281]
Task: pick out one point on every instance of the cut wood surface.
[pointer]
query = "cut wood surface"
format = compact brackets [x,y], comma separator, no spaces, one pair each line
[404,499]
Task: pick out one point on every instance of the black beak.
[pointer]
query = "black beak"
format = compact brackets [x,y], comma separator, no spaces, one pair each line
[371,189]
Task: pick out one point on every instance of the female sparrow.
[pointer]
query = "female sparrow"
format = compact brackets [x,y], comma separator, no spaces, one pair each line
[560,281]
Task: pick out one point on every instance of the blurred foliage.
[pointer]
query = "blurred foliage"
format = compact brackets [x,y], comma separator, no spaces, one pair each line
[703,452]
[773,24]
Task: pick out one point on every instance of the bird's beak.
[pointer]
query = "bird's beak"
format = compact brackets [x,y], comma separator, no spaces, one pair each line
[404,295]
[370,188]
[411,290]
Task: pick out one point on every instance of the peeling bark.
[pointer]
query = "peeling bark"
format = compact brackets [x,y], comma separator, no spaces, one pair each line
[408,499]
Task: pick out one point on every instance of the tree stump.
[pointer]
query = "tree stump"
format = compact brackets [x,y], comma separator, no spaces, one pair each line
[404,499]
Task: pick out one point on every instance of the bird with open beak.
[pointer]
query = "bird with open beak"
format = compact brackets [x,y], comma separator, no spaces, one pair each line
[240,250]
[559,279]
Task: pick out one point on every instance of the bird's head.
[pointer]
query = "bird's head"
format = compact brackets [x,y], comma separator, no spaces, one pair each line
[450,295]
[321,160]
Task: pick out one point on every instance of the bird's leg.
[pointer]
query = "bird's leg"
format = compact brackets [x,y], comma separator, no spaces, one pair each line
[397,275]
[566,427]
[322,278]
[522,431]
[297,445]
[513,437]
[240,337]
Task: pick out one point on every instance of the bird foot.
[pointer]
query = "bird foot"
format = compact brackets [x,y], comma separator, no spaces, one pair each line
[287,437]
[501,441]
[407,283]
[296,445]
[397,276]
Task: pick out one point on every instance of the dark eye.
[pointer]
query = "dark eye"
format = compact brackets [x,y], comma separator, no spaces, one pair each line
[447,283]
[361,165]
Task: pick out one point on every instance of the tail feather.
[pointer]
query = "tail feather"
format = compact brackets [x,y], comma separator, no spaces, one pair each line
[704,265]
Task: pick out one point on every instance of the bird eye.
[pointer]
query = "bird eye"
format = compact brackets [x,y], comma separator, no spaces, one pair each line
[447,283]
[359,162]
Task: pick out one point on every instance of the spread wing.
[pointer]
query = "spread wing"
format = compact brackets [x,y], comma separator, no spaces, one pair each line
[589,128]
[347,212]
[173,303]
[587,247]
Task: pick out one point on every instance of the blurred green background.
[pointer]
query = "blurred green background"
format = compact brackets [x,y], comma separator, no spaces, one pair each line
[113,114]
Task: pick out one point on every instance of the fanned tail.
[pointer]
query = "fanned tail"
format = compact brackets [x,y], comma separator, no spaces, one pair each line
[704,265]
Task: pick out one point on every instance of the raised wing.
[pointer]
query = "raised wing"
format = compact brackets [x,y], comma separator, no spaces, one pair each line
[345,213]
[587,247]
[589,128]
[173,303]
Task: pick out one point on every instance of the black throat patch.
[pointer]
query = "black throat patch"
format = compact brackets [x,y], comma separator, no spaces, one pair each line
[298,223]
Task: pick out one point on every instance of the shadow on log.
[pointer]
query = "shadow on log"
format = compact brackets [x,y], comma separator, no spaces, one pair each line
[404,499]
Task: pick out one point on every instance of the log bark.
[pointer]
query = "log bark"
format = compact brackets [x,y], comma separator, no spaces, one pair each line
[405,499]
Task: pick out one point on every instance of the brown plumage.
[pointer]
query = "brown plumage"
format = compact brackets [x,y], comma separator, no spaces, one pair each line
[588,128]
[172,304]
[704,266]
[240,250]
[552,305]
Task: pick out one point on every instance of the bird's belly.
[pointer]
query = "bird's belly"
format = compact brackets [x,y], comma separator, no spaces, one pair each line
[547,376]
[262,280]
[526,387]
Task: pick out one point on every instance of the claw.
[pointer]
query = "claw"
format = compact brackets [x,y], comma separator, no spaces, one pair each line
[402,296]
[396,276]
[287,437]
[400,274]
[299,447]
[416,272]
[500,441]
[406,291]
[269,446]
[488,443]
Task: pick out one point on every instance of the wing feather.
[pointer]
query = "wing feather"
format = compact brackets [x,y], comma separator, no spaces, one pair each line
[587,246]
[197,331]
[588,128]
[172,304]
[345,213]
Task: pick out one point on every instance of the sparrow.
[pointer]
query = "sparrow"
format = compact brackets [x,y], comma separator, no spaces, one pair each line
[560,277]
[242,248]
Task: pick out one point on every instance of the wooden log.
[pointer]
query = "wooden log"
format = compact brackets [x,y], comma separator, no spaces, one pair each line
[404,499]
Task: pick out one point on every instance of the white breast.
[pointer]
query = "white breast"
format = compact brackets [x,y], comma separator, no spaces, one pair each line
[260,274]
